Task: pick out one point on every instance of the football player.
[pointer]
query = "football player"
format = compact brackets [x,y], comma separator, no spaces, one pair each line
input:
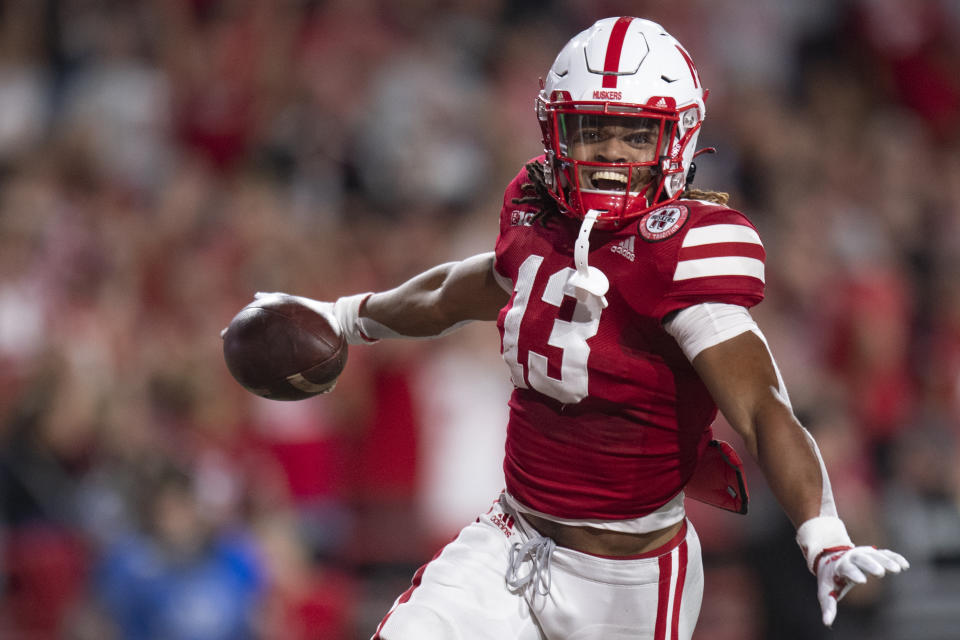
[622,299]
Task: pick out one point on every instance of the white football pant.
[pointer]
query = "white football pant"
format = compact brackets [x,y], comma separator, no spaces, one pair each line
[465,592]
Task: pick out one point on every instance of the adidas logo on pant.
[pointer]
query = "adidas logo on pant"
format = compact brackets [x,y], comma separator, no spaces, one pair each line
[504,522]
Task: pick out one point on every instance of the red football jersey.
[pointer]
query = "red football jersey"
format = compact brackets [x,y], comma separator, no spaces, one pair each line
[608,418]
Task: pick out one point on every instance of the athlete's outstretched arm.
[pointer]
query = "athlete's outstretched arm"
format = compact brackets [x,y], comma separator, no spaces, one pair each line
[732,358]
[439,299]
[431,304]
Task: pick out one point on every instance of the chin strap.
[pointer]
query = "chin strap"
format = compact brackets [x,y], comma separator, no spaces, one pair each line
[588,281]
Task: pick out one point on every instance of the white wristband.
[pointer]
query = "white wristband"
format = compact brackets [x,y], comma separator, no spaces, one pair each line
[823,533]
[347,312]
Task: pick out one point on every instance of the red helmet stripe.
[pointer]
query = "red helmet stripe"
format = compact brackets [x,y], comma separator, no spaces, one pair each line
[611,64]
[693,69]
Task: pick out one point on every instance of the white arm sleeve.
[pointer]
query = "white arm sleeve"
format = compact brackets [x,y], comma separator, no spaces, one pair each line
[708,324]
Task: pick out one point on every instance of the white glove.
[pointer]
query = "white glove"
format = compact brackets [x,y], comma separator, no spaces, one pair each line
[838,564]
[840,570]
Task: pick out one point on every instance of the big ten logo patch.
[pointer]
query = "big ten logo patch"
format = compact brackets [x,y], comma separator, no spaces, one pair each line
[522,218]
[662,223]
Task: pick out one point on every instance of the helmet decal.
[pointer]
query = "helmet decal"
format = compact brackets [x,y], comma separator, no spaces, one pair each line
[693,69]
[611,64]
[608,95]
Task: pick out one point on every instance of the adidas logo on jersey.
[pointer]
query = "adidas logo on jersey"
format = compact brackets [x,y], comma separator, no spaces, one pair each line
[625,248]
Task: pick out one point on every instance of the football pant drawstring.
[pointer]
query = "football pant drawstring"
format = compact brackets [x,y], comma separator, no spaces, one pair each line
[539,550]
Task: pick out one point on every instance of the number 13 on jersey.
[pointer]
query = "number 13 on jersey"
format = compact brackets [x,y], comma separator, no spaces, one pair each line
[570,336]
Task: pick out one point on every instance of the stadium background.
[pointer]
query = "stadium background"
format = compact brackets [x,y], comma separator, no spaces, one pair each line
[161,160]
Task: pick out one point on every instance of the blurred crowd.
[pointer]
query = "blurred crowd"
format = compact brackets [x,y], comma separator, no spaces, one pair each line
[162,160]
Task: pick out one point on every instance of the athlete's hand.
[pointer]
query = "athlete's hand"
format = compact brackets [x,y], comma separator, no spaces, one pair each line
[326,309]
[321,307]
[344,313]
[840,570]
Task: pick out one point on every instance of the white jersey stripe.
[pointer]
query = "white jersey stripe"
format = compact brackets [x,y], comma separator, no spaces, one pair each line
[721,266]
[718,233]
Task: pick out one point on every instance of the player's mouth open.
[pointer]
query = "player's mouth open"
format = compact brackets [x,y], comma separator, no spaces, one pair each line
[611,181]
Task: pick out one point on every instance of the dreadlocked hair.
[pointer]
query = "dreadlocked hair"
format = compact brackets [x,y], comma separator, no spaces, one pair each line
[535,192]
[716,197]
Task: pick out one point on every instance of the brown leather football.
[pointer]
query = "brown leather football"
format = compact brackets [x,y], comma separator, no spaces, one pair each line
[279,348]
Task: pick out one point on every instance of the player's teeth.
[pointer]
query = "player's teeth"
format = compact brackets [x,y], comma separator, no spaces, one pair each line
[609,175]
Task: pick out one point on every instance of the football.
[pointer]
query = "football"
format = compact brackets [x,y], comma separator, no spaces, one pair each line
[279,348]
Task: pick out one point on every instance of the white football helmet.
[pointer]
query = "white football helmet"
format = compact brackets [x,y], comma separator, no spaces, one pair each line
[627,73]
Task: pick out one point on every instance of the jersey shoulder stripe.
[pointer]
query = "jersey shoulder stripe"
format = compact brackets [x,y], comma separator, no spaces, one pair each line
[719,266]
[719,233]
[723,249]
[721,244]
[718,257]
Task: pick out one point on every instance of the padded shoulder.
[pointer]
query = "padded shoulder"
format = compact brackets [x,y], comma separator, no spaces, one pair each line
[719,257]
